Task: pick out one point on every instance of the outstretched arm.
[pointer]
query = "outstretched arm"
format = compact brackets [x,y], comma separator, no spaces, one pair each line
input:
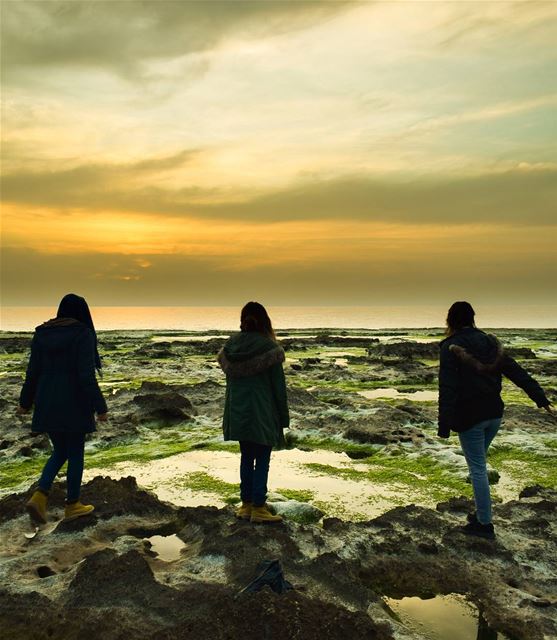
[448,390]
[29,388]
[86,371]
[516,374]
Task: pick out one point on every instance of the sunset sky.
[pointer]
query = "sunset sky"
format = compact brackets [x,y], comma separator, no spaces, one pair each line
[187,153]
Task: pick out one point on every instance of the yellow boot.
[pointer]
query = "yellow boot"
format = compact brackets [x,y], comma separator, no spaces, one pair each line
[244,511]
[36,506]
[76,510]
[262,514]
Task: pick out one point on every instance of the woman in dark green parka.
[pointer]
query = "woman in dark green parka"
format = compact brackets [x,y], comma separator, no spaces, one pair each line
[62,388]
[256,407]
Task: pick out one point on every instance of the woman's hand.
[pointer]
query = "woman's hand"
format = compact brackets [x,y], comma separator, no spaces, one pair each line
[21,411]
[102,417]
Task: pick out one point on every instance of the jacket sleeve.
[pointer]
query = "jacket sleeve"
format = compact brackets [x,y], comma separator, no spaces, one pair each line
[448,390]
[521,378]
[86,371]
[278,384]
[29,388]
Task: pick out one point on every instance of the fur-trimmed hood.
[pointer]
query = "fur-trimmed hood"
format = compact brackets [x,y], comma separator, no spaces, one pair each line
[249,353]
[489,362]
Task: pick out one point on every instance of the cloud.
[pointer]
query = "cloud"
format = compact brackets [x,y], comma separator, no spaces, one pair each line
[496,20]
[515,196]
[525,194]
[121,36]
[87,185]
[33,278]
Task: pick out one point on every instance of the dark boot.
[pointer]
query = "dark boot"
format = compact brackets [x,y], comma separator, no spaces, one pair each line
[480,530]
[472,517]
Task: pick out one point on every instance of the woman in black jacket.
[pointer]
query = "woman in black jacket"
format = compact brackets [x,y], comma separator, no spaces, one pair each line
[62,385]
[471,365]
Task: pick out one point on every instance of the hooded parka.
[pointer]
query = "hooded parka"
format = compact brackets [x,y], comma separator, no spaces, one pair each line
[60,380]
[256,408]
[471,366]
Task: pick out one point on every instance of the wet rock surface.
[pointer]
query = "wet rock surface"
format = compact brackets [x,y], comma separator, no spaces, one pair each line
[167,406]
[387,425]
[101,580]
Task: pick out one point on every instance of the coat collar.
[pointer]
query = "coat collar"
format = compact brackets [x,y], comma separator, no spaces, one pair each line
[253,366]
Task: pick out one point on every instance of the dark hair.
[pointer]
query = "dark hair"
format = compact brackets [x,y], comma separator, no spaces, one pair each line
[254,317]
[76,307]
[460,315]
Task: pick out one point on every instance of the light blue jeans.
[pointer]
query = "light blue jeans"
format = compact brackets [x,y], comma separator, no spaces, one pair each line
[475,443]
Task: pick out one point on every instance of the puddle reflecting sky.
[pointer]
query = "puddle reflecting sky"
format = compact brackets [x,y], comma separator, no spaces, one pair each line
[168,548]
[345,497]
[288,471]
[390,392]
[449,617]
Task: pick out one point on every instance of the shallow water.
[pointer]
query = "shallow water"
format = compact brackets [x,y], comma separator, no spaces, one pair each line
[346,498]
[389,392]
[448,617]
[168,548]
[349,498]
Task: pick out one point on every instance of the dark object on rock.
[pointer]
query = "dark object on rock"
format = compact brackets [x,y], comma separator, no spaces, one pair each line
[476,528]
[472,517]
[456,505]
[45,572]
[429,547]
[79,524]
[542,603]
[520,352]
[406,349]
[530,492]
[168,406]
[269,574]
[361,454]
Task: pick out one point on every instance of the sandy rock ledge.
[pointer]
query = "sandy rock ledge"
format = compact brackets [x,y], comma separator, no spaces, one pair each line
[101,578]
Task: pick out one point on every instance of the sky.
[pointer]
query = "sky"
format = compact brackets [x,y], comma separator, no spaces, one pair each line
[299,153]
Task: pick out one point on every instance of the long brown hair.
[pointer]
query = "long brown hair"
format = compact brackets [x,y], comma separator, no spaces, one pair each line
[460,315]
[254,317]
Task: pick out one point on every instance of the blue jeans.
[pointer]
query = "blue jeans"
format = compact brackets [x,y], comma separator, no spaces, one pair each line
[70,447]
[475,443]
[254,471]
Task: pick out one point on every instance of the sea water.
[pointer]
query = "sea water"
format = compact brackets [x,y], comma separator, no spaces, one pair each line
[227,318]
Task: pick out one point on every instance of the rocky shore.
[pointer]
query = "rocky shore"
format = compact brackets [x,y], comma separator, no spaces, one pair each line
[99,577]
[368,491]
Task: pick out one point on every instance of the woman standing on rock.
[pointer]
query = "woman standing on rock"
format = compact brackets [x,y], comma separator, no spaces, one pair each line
[256,408]
[62,385]
[471,365]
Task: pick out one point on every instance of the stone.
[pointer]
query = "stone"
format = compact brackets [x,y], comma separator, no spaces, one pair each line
[301,512]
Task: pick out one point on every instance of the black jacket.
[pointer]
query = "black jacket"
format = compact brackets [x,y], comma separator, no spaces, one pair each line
[61,380]
[471,365]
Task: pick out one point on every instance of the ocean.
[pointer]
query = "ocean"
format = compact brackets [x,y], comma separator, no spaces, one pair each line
[227,318]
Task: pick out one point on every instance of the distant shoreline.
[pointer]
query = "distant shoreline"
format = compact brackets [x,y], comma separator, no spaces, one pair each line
[434,333]
[225,319]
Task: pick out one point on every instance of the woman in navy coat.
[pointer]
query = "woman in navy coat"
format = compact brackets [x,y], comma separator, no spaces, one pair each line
[62,387]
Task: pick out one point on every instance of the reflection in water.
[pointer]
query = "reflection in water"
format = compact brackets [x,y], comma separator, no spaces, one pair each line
[168,548]
[390,392]
[447,617]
